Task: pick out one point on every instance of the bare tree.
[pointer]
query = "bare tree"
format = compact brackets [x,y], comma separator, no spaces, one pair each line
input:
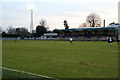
[43,22]
[83,25]
[11,30]
[23,32]
[93,20]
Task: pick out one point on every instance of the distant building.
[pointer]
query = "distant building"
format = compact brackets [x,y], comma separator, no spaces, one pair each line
[33,31]
[50,35]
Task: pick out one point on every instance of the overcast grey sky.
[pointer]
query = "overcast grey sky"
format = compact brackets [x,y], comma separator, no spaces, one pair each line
[15,13]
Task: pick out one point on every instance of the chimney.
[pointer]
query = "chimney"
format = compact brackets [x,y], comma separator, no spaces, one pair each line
[104,23]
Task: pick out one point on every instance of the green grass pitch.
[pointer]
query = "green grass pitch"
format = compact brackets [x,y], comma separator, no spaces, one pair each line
[58,59]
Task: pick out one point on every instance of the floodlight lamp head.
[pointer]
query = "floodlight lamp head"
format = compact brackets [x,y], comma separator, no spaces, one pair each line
[31,7]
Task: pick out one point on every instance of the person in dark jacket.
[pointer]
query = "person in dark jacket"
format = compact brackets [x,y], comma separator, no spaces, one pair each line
[110,40]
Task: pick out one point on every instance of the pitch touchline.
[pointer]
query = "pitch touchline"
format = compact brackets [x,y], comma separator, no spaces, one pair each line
[27,73]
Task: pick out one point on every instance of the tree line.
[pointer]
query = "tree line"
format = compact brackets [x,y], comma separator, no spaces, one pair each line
[23,32]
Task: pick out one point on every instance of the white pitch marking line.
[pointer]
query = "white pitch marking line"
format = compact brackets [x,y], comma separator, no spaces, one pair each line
[27,73]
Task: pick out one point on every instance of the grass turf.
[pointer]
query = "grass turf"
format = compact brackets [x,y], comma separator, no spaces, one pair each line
[59,59]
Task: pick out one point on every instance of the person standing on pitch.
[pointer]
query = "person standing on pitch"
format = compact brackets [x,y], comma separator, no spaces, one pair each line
[70,39]
[110,40]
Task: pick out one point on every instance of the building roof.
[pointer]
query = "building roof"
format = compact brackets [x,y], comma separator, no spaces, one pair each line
[50,34]
[87,28]
[114,25]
